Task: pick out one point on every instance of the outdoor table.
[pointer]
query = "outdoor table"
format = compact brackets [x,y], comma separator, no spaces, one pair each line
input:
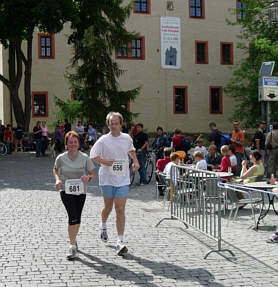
[271,197]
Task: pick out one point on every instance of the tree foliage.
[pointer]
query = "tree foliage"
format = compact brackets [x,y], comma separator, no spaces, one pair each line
[259,42]
[94,81]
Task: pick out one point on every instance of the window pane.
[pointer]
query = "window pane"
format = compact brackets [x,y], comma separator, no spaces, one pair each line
[201,53]
[180,100]
[42,41]
[138,43]
[133,53]
[198,12]
[40,105]
[226,54]
[42,52]
[215,100]
[198,3]
[48,52]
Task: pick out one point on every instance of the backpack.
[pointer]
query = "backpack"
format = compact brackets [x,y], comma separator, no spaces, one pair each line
[185,144]
[225,139]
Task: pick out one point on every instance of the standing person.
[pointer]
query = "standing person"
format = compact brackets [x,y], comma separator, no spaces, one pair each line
[81,132]
[2,130]
[180,142]
[91,135]
[8,138]
[125,128]
[58,139]
[76,166]
[37,133]
[200,147]
[160,142]
[259,140]
[18,137]
[133,130]
[44,138]
[111,152]
[141,143]
[62,127]
[272,150]
[67,126]
[215,136]
[238,142]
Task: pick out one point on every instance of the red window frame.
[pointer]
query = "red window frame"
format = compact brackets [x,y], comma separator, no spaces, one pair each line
[231,53]
[148,8]
[52,46]
[206,52]
[129,51]
[185,100]
[203,10]
[46,104]
[220,100]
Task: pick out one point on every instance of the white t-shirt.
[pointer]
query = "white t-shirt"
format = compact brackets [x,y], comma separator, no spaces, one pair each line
[202,149]
[202,164]
[167,169]
[109,147]
[233,160]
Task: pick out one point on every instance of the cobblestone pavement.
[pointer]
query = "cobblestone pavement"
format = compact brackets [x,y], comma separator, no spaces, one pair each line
[33,240]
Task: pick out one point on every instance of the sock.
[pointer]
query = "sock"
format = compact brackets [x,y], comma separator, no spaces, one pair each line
[103,225]
[120,238]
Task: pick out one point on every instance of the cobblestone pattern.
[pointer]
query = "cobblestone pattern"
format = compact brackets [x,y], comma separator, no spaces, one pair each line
[34,242]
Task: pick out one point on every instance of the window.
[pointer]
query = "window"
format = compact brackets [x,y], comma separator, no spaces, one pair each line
[197,9]
[216,100]
[201,52]
[40,104]
[141,6]
[46,46]
[135,50]
[180,100]
[241,9]
[227,57]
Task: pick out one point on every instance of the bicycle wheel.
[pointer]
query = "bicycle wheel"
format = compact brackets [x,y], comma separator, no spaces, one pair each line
[149,170]
[3,149]
[131,172]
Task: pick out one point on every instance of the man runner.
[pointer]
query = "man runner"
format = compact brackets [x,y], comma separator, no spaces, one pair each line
[111,152]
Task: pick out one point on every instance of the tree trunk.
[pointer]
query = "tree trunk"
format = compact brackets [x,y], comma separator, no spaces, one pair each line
[27,84]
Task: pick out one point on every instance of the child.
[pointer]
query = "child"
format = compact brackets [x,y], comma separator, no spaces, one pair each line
[199,158]
[225,162]
[213,158]
[233,159]
[175,159]
[200,147]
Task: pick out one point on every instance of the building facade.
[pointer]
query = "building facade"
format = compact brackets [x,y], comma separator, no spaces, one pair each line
[182,60]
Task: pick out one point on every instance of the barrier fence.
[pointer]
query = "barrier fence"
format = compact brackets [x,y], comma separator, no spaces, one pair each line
[198,199]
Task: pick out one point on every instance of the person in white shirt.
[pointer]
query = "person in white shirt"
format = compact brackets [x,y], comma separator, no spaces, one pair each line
[175,159]
[111,152]
[201,162]
[233,159]
[200,147]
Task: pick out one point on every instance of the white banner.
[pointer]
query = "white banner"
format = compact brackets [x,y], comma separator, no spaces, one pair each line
[170,43]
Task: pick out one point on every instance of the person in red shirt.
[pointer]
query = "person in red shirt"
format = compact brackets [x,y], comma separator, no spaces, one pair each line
[160,165]
[238,142]
[176,140]
[8,138]
[225,162]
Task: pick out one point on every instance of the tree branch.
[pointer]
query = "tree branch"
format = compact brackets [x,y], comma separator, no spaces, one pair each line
[5,81]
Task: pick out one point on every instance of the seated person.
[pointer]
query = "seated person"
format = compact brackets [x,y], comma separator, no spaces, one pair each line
[160,165]
[257,169]
[225,162]
[233,159]
[199,158]
[175,159]
[213,157]
[200,147]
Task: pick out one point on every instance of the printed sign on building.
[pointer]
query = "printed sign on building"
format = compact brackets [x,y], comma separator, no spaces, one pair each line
[170,43]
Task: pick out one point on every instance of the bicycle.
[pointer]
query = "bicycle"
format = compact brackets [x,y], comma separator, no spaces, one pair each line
[3,149]
[149,165]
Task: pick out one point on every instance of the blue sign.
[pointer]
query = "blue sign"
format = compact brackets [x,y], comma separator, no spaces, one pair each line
[273,81]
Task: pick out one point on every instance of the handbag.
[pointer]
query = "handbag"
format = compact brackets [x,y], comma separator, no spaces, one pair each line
[269,145]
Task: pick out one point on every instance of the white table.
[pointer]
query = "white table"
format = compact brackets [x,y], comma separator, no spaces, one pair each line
[271,197]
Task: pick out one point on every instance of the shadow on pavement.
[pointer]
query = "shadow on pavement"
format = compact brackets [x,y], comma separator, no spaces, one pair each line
[167,270]
[115,271]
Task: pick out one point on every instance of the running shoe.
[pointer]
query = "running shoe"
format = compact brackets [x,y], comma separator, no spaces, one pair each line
[72,252]
[121,248]
[103,234]
[273,238]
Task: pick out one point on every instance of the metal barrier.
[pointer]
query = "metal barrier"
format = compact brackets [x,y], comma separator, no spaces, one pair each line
[197,202]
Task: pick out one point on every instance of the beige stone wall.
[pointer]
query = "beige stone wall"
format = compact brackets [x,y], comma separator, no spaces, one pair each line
[155,102]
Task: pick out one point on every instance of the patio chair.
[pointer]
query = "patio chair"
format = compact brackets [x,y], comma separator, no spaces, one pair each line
[161,183]
[250,197]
